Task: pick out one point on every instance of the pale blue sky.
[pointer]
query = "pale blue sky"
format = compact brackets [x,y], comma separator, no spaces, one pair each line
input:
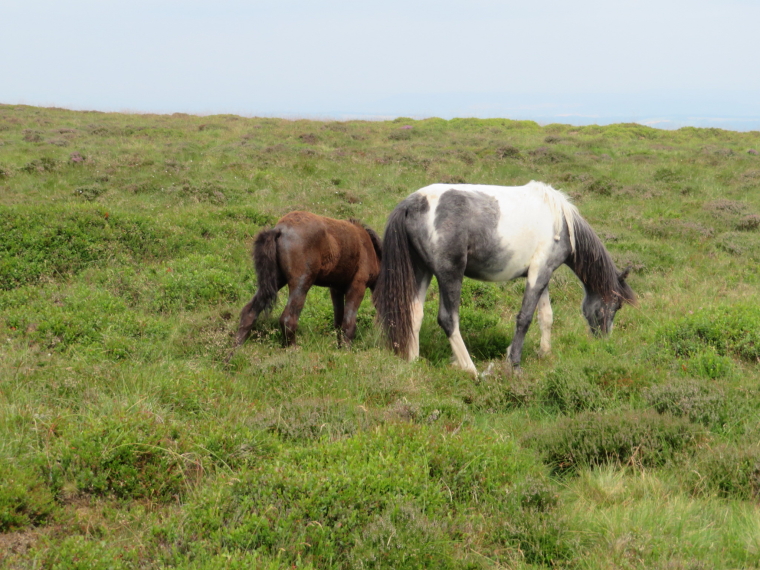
[654,61]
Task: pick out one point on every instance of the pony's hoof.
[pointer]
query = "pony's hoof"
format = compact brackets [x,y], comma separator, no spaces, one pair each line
[512,370]
[472,371]
[488,372]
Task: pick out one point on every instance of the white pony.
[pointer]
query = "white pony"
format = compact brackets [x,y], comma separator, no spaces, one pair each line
[489,233]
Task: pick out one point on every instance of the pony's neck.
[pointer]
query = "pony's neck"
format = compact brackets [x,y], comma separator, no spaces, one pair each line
[591,261]
[582,276]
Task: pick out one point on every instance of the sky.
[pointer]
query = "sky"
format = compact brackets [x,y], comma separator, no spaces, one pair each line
[667,63]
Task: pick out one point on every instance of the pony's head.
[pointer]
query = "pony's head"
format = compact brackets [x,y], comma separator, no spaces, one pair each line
[600,310]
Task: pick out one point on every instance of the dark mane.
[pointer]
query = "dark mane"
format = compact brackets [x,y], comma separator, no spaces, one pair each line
[593,264]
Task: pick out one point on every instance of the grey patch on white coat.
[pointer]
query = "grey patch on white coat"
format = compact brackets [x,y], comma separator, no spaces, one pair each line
[474,216]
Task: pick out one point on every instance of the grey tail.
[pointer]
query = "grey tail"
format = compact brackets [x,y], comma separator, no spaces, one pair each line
[267,270]
[395,289]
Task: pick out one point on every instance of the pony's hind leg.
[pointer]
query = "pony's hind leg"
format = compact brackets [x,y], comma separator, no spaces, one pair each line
[292,312]
[448,318]
[251,312]
[354,297]
[261,302]
[338,297]
[270,280]
[545,320]
[418,306]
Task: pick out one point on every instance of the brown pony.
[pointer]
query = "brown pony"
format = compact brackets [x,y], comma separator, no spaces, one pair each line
[305,249]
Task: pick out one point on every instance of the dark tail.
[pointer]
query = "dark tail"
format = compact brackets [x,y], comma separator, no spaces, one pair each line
[396,286]
[268,277]
[267,270]
[377,243]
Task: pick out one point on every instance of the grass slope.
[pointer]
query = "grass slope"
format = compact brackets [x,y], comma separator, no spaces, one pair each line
[125,442]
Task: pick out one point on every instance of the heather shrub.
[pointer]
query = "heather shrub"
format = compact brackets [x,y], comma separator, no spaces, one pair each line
[731,471]
[729,330]
[629,437]
[701,402]
[391,494]
[570,391]
[25,500]
[56,241]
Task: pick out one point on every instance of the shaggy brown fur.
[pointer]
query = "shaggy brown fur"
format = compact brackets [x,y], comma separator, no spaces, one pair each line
[305,249]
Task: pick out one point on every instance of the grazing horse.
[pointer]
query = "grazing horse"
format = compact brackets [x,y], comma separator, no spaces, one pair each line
[305,249]
[489,233]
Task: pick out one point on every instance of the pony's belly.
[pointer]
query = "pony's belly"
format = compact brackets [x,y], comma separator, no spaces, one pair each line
[513,269]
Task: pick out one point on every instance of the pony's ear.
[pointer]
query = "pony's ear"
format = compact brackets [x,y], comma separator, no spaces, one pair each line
[624,275]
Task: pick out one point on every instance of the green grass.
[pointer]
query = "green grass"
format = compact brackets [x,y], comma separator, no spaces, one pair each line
[125,442]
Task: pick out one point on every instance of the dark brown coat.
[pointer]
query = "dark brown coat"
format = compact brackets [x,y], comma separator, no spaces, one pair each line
[305,249]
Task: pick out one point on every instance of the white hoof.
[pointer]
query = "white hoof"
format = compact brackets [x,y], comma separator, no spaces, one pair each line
[488,372]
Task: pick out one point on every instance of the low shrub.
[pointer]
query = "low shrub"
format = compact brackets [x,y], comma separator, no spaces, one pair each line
[700,402]
[508,151]
[728,329]
[640,438]
[727,470]
[203,192]
[740,244]
[667,175]
[601,186]
[59,241]
[90,192]
[127,457]
[144,456]
[403,536]
[492,393]
[40,165]
[708,363]
[195,280]
[84,316]
[307,420]
[25,500]
[543,539]
[400,135]
[748,223]
[84,553]
[546,155]
[391,494]
[570,391]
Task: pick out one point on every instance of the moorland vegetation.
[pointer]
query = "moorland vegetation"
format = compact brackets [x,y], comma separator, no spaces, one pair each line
[127,442]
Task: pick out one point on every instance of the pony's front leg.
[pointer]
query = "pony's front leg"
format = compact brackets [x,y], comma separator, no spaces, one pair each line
[338,300]
[534,289]
[448,318]
[545,320]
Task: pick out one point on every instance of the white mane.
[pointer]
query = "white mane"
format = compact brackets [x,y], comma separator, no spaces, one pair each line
[561,207]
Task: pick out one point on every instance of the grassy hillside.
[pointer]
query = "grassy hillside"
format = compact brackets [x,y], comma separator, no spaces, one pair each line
[125,442]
